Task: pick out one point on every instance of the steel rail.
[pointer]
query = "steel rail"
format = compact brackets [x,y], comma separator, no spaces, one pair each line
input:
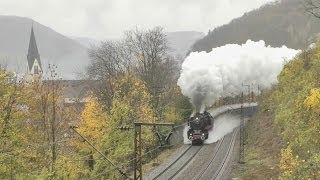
[176,160]
[219,172]
[186,163]
[212,158]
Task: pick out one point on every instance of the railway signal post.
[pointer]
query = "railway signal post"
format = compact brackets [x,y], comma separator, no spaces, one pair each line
[242,133]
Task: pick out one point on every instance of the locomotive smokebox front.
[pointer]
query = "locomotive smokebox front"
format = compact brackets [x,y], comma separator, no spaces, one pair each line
[199,126]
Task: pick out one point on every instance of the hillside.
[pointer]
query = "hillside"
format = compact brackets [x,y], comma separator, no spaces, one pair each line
[279,23]
[69,55]
[181,41]
[85,41]
[282,138]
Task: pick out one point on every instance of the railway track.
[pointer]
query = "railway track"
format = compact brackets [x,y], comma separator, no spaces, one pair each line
[223,165]
[199,176]
[216,166]
[212,159]
[176,166]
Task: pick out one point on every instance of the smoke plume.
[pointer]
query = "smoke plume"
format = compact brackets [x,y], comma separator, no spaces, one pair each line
[205,77]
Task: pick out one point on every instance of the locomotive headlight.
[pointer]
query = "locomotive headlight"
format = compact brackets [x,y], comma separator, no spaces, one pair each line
[203,137]
[197,120]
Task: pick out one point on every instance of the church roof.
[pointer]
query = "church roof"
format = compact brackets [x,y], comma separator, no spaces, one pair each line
[75,88]
[33,51]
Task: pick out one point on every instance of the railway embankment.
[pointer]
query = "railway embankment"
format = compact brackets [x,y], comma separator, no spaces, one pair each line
[283,138]
[262,148]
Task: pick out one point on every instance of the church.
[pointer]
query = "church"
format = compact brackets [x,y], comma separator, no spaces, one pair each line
[34,67]
[75,92]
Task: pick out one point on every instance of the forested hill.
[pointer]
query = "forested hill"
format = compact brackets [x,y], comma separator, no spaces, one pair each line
[279,23]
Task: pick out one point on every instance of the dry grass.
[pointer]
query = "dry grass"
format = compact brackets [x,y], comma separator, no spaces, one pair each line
[163,155]
[262,149]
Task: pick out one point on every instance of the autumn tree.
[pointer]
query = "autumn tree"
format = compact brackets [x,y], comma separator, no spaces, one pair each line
[153,63]
[9,95]
[312,7]
[92,125]
[144,53]
[12,123]
[130,103]
[108,60]
[48,119]
[137,82]
[296,99]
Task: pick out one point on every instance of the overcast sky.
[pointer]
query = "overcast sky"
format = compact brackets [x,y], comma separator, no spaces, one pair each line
[102,19]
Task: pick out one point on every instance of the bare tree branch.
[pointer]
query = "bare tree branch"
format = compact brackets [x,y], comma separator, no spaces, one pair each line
[312,7]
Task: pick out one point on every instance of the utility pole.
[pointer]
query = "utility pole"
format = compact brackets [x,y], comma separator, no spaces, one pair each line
[137,166]
[252,93]
[248,90]
[242,133]
[259,92]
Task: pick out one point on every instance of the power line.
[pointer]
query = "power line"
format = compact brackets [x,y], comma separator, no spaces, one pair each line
[103,155]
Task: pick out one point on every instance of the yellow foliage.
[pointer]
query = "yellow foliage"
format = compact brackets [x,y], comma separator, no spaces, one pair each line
[135,93]
[70,168]
[288,163]
[291,70]
[313,100]
[298,90]
[92,124]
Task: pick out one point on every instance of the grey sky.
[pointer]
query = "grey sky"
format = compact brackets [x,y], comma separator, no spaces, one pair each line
[109,18]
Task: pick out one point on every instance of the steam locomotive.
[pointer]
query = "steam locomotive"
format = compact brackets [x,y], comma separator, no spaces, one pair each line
[199,126]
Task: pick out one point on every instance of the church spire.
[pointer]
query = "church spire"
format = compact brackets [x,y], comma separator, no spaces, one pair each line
[33,57]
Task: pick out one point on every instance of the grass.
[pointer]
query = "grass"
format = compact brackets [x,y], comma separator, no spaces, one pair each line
[163,155]
[262,149]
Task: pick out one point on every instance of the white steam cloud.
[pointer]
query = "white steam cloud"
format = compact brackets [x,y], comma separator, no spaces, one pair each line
[205,77]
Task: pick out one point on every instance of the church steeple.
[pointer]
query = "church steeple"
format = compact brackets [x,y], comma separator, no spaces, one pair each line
[33,57]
